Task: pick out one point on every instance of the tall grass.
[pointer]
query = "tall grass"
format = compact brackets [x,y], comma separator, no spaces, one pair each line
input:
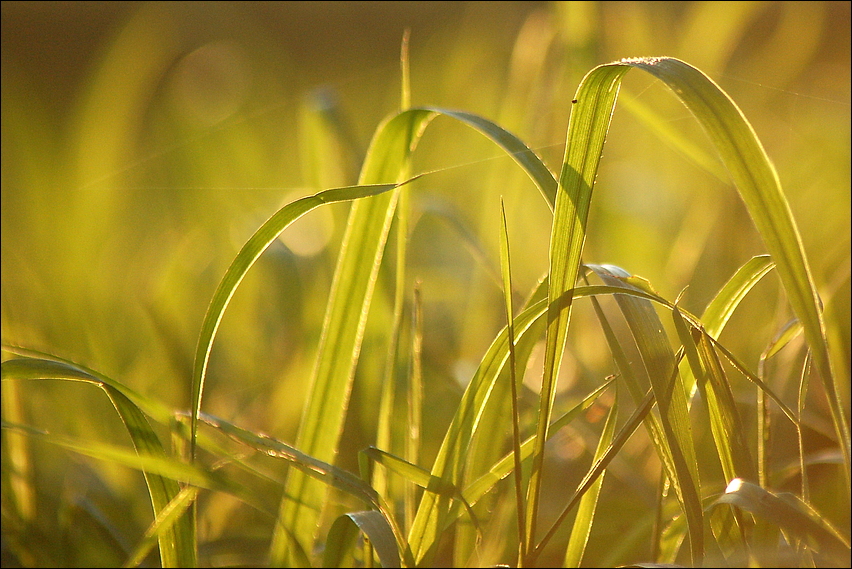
[485,475]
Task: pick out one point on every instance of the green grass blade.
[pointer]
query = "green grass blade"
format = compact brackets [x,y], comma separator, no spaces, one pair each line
[520,152]
[177,545]
[725,424]
[415,401]
[345,529]
[502,468]
[506,271]
[658,360]
[343,327]
[318,469]
[598,467]
[247,256]
[791,514]
[41,365]
[163,523]
[758,185]
[411,472]
[723,305]
[433,511]
[754,177]
[157,466]
[588,503]
[587,130]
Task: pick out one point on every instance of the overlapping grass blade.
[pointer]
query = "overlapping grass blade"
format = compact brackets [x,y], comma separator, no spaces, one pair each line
[164,521]
[758,185]
[588,503]
[177,544]
[520,152]
[723,305]
[343,327]
[790,514]
[506,271]
[345,529]
[597,469]
[587,130]
[433,511]
[319,470]
[658,359]
[754,177]
[722,415]
[415,401]
[502,468]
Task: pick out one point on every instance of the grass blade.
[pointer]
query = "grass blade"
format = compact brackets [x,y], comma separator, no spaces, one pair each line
[345,529]
[506,271]
[758,185]
[587,130]
[588,503]
[177,544]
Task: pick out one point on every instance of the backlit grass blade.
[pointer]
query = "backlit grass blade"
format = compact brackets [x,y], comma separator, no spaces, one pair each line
[433,510]
[345,529]
[247,256]
[723,305]
[597,468]
[758,185]
[792,515]
[724,418]
[658,363]
[506,271]
[177,545]
[587,130]
[588,503]
[164,521]
[43,365]
[753,175]
[520,152]
[502,468]
[323,472]
[343,327]
[415,401]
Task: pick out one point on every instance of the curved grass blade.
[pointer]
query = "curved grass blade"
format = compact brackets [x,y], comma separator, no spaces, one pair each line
[587,130]
[247,256]
[345,529]
[163,523]
[758,185]
[319,470]
[658,359]
[753,175]
[177,545]
[723,305]
[520,152]
[790,514]
[597,469]
[436,512]
[43,365]
[343,327]
[433,512]
[732,452]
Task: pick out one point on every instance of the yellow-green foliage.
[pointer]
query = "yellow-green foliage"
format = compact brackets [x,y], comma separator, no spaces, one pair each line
[533,299]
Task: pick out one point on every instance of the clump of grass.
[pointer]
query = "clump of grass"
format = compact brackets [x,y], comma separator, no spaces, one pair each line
[671,386]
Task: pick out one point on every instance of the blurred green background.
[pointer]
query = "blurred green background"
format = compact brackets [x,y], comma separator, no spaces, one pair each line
[143,143]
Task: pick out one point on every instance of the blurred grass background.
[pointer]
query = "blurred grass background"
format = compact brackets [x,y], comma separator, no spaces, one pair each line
[143,143]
